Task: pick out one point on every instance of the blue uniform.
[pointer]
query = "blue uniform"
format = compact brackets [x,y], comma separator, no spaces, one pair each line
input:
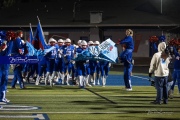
[41,68]
[59,65]
[104,68]
[81,69]
[51,56]
[17,76]
[33,68]
[68,52]
[128,41]
[127,71]
[42,65]
[59,61]
[176,73]
[81,64]
[17,45]
[18,50]
[4,71]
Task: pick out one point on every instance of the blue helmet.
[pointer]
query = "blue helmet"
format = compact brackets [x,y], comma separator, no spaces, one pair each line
[162,38]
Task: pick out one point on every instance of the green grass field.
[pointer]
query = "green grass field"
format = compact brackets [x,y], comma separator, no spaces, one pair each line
[70,102]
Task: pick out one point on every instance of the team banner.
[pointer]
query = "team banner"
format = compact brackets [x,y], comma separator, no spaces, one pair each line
[106,51]
[94,50]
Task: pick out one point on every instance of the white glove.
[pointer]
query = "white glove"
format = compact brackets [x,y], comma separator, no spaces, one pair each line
[109,65]
[87,61]
[132,61]
[97,61]
[59,55]
[72,61]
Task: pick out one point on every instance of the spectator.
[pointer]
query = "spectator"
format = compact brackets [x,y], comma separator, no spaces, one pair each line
[159,66]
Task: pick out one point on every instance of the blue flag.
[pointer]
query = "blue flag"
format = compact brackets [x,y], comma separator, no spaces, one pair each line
[48,50]
[30,48]
[39,39]
[30,39]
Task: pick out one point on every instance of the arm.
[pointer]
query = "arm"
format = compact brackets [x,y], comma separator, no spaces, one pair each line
[153,64]
[125,40]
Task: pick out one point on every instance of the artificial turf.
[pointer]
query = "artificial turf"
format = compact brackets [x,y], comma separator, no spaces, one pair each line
[110,102]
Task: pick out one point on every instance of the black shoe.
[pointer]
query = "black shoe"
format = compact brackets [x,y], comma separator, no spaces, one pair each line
[34,78]
[164,102]
[23,87]
[155,102]
[13,87]
[27,80]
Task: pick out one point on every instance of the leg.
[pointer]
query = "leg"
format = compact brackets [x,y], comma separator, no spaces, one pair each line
[165,90]
[174,81]
[178,81]
[160,82]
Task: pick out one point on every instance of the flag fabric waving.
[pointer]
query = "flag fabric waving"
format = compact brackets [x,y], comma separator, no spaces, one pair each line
[106,51]
[39,39]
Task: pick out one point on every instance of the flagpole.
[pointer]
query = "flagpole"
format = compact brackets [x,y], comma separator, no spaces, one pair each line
[31,28]
[38,18]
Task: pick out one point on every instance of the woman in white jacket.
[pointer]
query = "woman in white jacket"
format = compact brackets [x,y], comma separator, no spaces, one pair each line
[159,66]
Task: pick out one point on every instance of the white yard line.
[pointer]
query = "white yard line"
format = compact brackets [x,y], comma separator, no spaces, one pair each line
[67,95]
[39,116]
[140,77]
[72,112]
[56,95]
[17,108]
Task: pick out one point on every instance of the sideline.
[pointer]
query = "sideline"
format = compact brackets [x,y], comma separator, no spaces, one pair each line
[35,116]
[140,77]
[74,112]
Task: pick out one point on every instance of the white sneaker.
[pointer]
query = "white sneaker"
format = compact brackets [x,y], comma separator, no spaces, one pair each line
[98,83]
[5,100]
[93,84]
[88,85]
[128,89]
[45,82]
[62,83]
[1,107]
[51,83]
[36,83]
